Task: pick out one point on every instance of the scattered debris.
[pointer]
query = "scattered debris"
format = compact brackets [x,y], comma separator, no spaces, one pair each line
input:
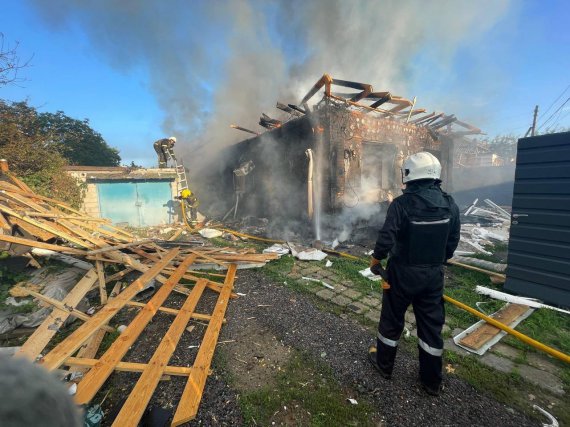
[277,248]
[352,401]
[98,241]
[553,421]
[531,302]
[369,275]
[210,233]
[481,336]
[326,285]
[306,254]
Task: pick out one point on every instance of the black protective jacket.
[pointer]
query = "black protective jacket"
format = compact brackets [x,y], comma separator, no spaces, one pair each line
[423,197]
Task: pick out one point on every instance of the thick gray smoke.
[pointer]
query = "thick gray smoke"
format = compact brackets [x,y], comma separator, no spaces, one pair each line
[214,63]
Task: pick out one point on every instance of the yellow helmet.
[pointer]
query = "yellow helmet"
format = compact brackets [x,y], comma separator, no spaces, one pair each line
[185,193]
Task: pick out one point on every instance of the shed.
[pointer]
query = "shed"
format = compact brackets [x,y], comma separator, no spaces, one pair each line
[137,197]
[539,244]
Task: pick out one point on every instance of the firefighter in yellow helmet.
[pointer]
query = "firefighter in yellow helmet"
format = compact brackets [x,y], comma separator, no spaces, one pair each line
[190,204]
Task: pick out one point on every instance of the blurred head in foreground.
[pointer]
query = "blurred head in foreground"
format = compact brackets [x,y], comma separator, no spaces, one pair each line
[31,396]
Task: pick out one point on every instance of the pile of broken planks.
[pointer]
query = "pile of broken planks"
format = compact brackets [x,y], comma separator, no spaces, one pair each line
[28,220]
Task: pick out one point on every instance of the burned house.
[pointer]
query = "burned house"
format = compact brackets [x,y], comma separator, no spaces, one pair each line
[339,157]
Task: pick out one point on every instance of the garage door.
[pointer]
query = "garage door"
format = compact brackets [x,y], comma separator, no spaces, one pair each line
[140,203]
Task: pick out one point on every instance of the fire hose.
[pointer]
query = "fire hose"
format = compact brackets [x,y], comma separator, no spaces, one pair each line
[520,336]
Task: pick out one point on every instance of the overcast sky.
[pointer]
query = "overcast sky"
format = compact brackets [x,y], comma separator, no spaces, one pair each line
[142,70]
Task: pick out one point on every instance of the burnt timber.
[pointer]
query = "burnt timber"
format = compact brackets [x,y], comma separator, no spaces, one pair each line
[358,140]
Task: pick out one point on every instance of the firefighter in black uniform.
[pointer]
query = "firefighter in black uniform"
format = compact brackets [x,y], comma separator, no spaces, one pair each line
[165,149]
[420,234]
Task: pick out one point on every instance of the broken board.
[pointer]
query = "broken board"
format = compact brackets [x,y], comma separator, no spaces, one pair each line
[481,336]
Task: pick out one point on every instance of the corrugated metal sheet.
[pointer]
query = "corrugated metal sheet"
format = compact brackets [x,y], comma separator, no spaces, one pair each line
[539,245]
[140,204]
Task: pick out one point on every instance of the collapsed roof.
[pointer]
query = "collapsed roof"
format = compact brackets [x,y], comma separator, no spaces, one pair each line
[367,101]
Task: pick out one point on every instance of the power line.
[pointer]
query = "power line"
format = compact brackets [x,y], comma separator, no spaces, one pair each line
[559,120]
[552,115]
[554,102]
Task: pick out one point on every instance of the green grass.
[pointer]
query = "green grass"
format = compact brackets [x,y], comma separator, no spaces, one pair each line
[7,281]
[510,389]
[307,387]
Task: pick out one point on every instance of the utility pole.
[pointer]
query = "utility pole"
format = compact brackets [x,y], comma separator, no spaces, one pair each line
[534,120]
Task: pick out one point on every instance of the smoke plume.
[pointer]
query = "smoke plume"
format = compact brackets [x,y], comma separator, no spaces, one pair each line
[214,63]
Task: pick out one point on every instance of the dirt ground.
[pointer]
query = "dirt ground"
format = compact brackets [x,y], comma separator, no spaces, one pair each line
[270,326]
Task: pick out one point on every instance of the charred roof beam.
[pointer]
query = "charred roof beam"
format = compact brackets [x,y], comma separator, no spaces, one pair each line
[289,110]
[244,129]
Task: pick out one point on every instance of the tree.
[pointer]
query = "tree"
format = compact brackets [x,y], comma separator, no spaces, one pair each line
[76,140]
[10,63]
[38,146]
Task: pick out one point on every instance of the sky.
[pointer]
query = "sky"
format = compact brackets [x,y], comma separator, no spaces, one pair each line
[143,70]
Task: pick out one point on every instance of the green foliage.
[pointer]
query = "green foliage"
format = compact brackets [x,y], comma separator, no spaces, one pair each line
[7,280]
[38,146]
[76,140]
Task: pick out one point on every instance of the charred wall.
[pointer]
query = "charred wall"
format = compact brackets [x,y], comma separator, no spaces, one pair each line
[358,155]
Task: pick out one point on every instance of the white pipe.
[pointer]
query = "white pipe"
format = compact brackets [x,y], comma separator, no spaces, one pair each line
[309,154]
[531,302]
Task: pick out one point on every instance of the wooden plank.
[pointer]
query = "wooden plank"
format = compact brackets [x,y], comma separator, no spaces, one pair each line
[176,235]
[208,257]
[174,311]
[97,376]
[486,332]
[190,400]
[87,363]
[60,216]
[135,405]
[4,223]
[121,246]
[32,229]
[41,245]
[137,265]
[62,225]
[101,277]
[59,305]
[91,346]
[120,275]
[67,347]
[18,182]
[101,228]
[45,227]
[43,334]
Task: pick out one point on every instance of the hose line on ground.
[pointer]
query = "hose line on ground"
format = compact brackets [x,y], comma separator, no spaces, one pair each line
[522,337]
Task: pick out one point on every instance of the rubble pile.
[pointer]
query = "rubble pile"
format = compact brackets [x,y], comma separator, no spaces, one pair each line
[482,227]
[28,220]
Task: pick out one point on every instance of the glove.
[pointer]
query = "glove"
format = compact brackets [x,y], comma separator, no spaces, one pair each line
[379,271]
[376,268]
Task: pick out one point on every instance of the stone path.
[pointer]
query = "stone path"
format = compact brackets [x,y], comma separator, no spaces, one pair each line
[536,368]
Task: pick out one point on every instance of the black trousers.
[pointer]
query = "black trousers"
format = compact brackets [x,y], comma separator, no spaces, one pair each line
[421,286]
[163,151]
[161,155]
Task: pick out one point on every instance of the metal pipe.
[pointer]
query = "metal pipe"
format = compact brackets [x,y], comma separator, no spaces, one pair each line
[309,154]
[522,337]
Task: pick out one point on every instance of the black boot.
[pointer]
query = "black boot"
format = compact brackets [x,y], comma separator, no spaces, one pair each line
[372,357]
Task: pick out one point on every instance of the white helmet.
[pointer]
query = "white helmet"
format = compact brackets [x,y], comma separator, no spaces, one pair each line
[421,165]
[173,139]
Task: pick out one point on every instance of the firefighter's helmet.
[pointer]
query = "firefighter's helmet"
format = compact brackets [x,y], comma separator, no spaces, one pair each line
[173,139]
[185,193]
[421,165]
